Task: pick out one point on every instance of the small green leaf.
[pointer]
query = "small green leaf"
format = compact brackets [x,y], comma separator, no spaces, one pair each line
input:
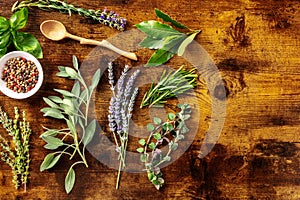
[173,146]
[157,136]
[3,52]
[64,92]
[50,146]
[75,62]
[54,113]
[4,24]
[19,19]
[159,57]
[70,180]
[171,116]
[152,146]
[151,43]
[157,120]
[150,127]
[185,43]
[71,72]
[143,158]
[96,79]
[71,127]
[5,40]
[180,137]
[62,74]
[50,103]
[140,150]
[51,132]
[53,141]
[151,176]
[89,133]
[142,142]
[76,89]
[55,99]
[68,102]
[49,161]
[167,18]
[167,158]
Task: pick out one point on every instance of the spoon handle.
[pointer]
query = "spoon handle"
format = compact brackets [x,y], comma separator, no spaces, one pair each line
[103,43]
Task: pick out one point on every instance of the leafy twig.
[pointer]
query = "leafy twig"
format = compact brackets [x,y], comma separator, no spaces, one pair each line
[108,18]
[151,154]
[68,108]
[170,85]
[120,111]
[19,159]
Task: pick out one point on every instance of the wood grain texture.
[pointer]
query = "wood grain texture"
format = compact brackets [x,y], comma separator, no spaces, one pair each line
[255,45]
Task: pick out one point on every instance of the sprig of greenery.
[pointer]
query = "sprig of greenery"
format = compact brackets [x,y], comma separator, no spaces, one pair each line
[69,109]
[19,158]
[164,38]
[151,154]
[22,41]
[170,85]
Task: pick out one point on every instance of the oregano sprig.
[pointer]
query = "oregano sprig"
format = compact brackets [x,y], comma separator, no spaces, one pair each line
[18,158]
[164,38]
[171,131]
[170,85]
[73,108]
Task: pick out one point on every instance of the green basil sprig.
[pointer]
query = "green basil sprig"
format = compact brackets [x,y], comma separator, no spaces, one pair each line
[165,38]
[9,34]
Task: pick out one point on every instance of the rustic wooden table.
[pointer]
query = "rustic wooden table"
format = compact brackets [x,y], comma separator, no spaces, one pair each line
[255,45]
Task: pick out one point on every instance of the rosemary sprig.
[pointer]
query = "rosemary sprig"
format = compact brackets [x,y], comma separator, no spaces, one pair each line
[151,154]
[108,18]
[69,109]
[19,158]
[170,85]
[120,111]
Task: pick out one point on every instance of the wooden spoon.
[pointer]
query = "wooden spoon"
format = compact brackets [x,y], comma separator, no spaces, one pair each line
[55,30]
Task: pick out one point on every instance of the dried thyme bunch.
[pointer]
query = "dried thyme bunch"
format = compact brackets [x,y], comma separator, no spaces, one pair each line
[151,151]
[19,158]
[74,109]
[170,85]
[120,111]
[108,18]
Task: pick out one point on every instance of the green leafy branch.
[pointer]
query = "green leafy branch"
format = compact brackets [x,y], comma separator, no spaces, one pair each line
[69,109]
[22,41]
[19,158]
[151,154]
[166,40]
[170,85]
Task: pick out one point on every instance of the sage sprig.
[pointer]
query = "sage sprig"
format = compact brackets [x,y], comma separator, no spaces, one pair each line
[73,108]
[170,85]
[165,38]
[172,131]
[120,111]
[18,157]
[105,17]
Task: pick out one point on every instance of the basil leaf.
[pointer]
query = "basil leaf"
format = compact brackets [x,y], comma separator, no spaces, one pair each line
[70,180]
[167,18]
[27,42]
[152,43]
[19,19]
[89,133]
[5,39]
[3,52]
[157,30]
[4,24]
[185,43]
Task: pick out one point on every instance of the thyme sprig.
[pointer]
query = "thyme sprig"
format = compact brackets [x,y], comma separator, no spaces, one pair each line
[151,151]
[108,18]
[17,155]
[120,111]
[170,85]
[74,109]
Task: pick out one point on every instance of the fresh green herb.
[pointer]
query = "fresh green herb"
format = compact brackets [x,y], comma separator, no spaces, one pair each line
[170,85]
[22,41]
[69,109]
[151,154]
[120,111]
[108,18]
[164,38]
[19,158]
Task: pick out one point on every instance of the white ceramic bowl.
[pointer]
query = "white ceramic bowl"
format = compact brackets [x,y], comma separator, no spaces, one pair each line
[27,56]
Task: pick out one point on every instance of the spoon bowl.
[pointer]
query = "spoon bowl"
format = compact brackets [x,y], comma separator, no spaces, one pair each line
[55,30]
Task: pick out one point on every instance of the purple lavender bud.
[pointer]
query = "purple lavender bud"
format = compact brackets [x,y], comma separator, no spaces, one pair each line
[105,10]
[112,12]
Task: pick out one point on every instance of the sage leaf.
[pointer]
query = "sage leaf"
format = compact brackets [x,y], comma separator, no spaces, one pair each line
[4,24]
[53,141]
[151,43]
[51,132]
[75,62]
[27,42]
[49,161]
[76,89]
[64,92]
[71,127]
[55,99]
[54,113]
[185,43]
[50,103]
[157,30]
[62,74]
[71,72]
[19,19]
[70,180]
[167,18]
[96,79]
[89,133]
